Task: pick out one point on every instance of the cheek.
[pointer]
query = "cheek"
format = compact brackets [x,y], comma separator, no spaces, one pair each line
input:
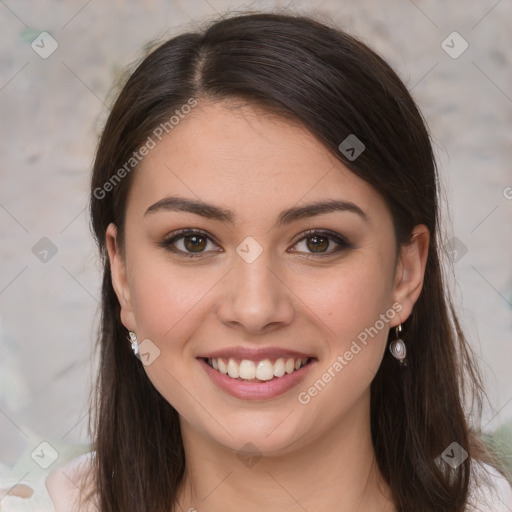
[163,292]
[350,298]
[354,305]
[167,302]
[355,310]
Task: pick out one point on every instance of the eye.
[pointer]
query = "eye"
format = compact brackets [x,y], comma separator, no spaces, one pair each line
[318,241]
[188,242]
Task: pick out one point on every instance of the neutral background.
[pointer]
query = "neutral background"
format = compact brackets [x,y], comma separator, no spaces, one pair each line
[53,110]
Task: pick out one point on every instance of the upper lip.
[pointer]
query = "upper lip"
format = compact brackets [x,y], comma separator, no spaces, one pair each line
[256,354]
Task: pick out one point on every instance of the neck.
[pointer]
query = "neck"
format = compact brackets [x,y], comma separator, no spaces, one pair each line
[336,471]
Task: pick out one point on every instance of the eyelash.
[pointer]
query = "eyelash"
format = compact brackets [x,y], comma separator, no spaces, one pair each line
[183,233]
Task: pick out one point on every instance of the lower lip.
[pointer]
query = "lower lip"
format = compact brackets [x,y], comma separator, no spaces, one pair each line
[256,390]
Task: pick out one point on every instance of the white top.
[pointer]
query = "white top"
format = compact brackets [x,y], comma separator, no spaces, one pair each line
[494,498]
[57,493]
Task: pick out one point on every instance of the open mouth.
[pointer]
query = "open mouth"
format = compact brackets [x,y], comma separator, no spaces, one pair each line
[265,370]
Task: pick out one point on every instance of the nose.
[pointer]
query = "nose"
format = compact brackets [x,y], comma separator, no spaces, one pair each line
[255,297]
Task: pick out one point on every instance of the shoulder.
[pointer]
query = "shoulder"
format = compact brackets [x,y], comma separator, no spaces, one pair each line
[67,483]
[490,491]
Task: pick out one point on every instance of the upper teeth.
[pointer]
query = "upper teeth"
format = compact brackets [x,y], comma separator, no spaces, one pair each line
[261,370]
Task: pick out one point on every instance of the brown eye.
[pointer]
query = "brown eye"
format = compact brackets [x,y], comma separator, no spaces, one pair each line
[194,243]
[188,242]
[317,243]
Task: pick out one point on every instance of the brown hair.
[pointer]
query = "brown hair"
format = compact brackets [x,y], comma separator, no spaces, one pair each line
[335,86]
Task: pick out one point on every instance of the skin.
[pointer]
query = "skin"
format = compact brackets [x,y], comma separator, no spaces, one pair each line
[314,456]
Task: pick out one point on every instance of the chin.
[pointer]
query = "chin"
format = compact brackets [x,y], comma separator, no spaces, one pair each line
[269,436]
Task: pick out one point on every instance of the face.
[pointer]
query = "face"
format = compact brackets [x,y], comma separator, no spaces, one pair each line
[259,276]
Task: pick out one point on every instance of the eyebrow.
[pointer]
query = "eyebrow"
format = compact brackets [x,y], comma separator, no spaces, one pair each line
[210,211]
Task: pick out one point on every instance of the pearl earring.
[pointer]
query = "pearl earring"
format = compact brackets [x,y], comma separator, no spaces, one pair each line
[397,347]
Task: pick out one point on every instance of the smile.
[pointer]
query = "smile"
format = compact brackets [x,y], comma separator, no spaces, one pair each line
[254,371]
[261,378]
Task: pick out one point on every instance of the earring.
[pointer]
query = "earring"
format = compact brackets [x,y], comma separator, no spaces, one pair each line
[397,347]
[133,341]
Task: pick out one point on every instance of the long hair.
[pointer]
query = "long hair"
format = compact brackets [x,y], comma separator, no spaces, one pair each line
[335,86]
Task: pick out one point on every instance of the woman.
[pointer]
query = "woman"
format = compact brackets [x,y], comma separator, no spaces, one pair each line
[276,332]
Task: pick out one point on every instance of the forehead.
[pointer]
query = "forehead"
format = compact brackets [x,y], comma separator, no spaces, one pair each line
[248,159]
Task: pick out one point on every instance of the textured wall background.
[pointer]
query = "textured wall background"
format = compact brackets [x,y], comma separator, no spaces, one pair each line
[52,111]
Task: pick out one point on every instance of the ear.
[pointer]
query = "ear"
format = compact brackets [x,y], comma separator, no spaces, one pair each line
[119,278]
[411,271]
